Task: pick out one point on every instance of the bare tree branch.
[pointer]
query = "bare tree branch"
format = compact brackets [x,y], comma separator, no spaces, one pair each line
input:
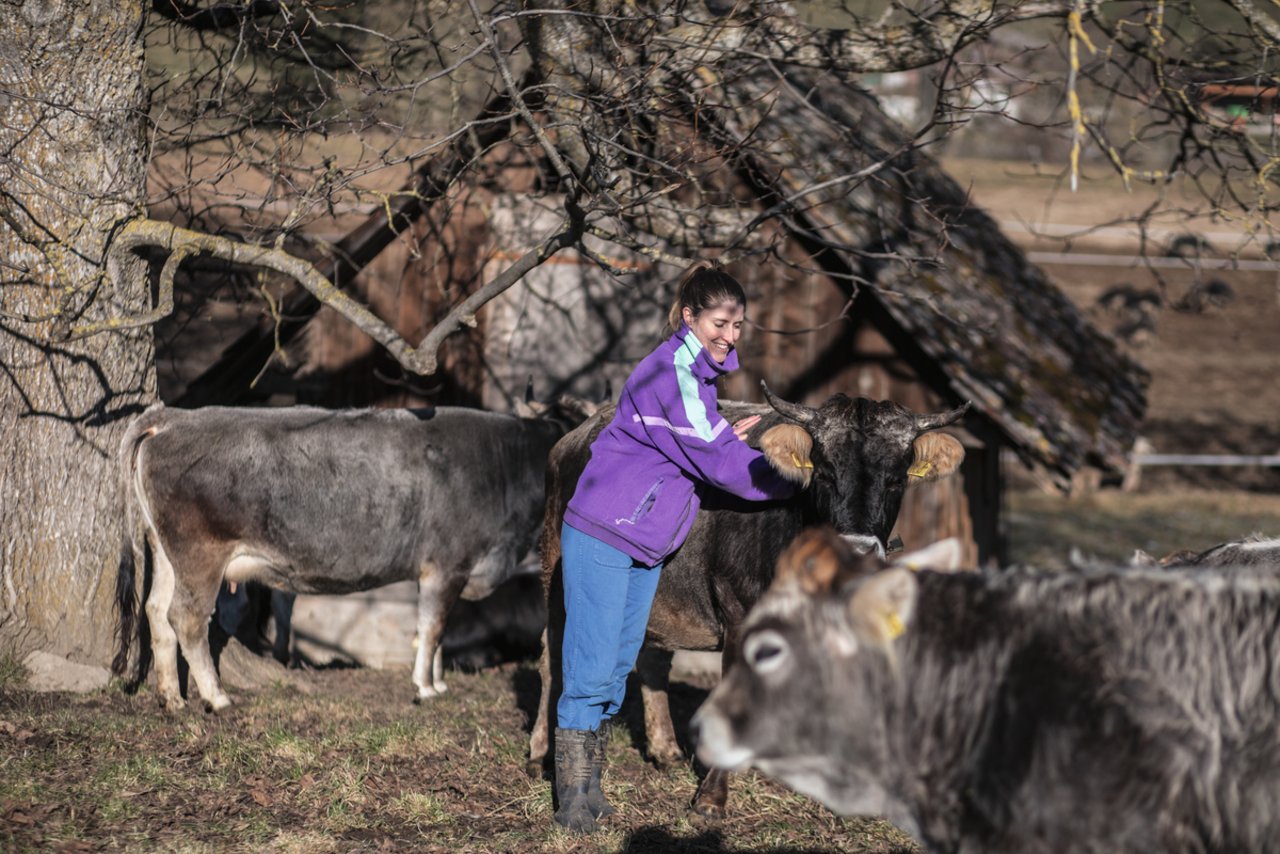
[216,17]
[183,243]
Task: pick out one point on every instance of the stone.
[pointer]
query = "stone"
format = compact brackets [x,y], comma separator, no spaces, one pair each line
[49,672]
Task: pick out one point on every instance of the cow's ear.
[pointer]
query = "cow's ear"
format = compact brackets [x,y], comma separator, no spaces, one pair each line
[814,560]
[1141,558]
[882,606]
[576,408]
[943,556]
[787,447]
[529,408]
[936,456]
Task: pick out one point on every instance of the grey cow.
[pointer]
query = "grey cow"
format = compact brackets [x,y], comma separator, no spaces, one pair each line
[1256,550]
[1096,710]
[323,501]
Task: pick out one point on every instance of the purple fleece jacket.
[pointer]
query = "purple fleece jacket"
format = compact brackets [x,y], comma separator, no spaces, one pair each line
[641,488]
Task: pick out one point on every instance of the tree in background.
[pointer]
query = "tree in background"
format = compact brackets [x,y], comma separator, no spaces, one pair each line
[282,146]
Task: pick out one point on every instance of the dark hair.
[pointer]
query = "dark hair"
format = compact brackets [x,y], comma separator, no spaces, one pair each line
[704,285]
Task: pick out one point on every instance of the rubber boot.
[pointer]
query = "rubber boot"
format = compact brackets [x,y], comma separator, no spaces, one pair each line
[575,749]
[600,808]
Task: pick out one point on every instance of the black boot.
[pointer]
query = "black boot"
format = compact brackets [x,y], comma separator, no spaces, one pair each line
[575,750]
[599,759]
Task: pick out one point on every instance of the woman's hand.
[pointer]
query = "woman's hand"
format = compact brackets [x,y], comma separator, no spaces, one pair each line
[741,428]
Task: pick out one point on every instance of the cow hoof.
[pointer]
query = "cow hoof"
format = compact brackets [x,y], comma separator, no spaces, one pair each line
[425,694]
[218,703]
[172,704]
[667,760]
[536,769]
[705,815]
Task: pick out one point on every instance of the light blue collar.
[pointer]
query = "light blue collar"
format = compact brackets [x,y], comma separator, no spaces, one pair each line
[702,363]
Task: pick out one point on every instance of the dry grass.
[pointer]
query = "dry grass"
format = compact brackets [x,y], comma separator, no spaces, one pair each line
[355,766]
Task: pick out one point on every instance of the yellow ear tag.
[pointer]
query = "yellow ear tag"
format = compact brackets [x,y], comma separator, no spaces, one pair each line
[894,624]
[920,469]
[799,463]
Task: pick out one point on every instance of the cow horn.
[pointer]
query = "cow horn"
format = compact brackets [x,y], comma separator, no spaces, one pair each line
[925,423]
[794,411]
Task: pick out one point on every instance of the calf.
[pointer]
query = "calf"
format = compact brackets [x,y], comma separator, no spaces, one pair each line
[311,500]
[863,455]
[1103,709]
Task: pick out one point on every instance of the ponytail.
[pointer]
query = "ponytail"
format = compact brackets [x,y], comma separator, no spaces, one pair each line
[704,285]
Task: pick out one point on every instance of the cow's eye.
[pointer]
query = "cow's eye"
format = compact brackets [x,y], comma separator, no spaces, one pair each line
[766,652]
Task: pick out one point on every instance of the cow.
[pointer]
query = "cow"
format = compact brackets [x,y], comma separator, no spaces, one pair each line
[1100,709]
[863,454]
[1255,551]
[311,500]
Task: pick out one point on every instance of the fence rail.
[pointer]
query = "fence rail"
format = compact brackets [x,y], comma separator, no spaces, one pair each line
[1104,260]
[1207,459]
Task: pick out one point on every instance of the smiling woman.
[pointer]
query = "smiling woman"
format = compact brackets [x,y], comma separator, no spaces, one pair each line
[634,505]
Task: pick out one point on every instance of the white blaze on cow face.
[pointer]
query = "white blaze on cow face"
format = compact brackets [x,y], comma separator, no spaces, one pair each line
[864,544]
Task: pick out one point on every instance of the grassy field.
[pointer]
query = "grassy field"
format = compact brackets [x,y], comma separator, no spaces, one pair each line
[340,760]
[1109,524]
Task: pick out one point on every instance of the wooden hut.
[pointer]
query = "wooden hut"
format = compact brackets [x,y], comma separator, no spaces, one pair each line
[968,319]
[890,287]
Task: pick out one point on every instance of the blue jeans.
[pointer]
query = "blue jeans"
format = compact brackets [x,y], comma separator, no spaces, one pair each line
[607,597]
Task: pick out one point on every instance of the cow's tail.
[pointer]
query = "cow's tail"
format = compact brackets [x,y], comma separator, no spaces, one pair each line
[129,594]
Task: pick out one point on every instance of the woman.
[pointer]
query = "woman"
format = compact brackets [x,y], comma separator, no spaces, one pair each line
[634,504]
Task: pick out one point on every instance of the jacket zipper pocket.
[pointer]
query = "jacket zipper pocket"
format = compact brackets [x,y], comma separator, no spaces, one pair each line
[645,505]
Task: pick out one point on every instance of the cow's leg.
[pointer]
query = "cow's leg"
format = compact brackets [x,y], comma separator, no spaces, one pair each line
[164,642]
[653,666]
[713,792]
[539,737]
[549,674]
[282,614]
[194,594]
[438,591]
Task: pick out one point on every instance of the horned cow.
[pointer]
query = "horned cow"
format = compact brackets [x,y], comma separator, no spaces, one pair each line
[863,454]
[1101,709]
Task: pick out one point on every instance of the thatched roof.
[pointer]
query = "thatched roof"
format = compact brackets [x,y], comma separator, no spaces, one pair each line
[1001,334]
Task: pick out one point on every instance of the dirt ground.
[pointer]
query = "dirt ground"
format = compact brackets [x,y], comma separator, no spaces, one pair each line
[341,761]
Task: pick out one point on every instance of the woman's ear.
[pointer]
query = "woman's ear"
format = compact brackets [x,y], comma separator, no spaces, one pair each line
[686,314]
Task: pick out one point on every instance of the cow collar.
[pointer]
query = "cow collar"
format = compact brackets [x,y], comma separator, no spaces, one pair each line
[703,366]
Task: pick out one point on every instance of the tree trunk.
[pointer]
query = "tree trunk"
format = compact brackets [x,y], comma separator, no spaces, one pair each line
[72,168]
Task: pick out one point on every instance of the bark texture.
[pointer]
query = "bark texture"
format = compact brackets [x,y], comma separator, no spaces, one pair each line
[72,167]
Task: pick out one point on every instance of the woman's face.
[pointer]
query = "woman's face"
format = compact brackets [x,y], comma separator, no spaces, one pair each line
[717,327]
